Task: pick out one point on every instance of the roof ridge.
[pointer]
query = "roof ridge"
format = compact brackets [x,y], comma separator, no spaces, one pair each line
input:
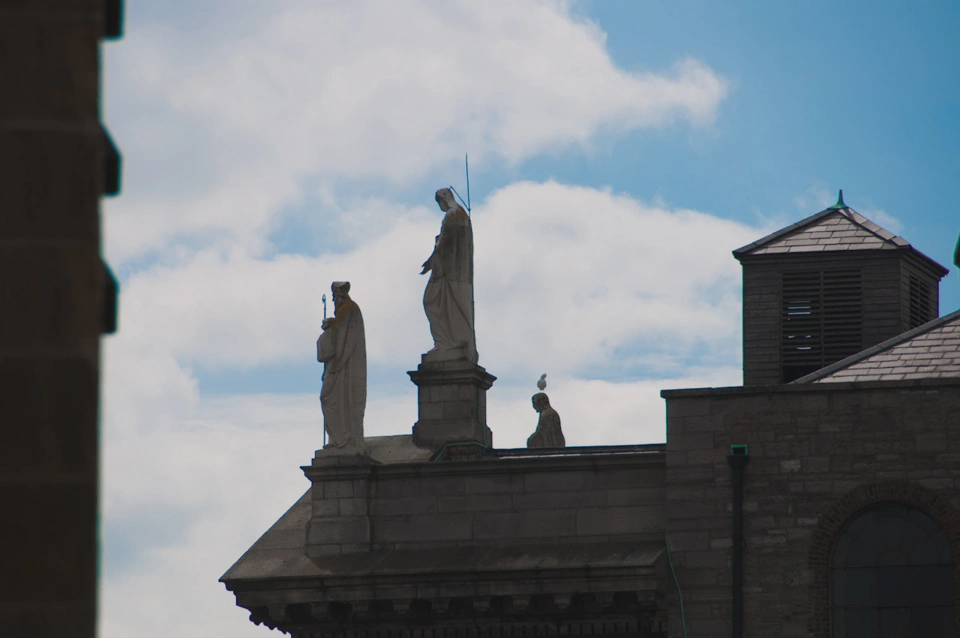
[880,347]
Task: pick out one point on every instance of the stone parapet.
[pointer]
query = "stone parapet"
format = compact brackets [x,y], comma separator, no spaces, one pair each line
[358,505]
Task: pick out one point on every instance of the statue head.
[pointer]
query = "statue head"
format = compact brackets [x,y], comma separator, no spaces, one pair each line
[341,291]
[540,401]
[446,199]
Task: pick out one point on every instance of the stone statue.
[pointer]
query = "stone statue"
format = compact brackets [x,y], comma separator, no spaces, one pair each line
[342,348]
[448,298]
[548,432]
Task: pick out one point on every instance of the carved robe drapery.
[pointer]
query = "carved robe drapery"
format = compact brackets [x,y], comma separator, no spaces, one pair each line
[448,298]
[342,347]
[548,432]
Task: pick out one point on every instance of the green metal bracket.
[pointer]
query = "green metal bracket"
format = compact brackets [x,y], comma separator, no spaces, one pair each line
[739,448]
[956,254]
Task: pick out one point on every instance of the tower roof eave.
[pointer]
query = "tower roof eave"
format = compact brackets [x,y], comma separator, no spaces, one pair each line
[881,239]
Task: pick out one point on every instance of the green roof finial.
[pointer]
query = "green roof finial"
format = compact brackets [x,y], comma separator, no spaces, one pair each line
[839,203]
[956,254]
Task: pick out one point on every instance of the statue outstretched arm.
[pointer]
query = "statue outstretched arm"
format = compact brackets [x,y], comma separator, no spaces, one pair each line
[428,264]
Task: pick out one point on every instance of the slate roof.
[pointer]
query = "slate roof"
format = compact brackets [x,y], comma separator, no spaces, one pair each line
[835,229]
[928,351]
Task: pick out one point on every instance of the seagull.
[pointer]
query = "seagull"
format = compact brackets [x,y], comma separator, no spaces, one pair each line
[542,383]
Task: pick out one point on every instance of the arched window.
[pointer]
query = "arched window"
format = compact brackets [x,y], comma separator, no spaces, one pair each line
[892,576]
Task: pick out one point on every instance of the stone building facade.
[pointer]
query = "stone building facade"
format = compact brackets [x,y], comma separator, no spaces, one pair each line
[826,506]
[820,454]
[57,297]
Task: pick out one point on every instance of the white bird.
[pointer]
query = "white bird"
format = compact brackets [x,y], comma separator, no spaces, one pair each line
[542,383]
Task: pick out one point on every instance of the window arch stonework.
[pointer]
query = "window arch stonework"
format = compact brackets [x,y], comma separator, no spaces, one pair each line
[832,522]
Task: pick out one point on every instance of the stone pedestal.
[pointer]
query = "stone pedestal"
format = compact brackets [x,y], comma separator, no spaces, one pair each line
[340,504]
[452,400]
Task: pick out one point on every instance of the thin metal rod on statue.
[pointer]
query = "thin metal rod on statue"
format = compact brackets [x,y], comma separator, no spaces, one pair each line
[473,294]
[466,204]
[323,298]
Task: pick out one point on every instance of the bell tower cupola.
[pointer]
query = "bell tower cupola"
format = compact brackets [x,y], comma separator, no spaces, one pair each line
[826,288]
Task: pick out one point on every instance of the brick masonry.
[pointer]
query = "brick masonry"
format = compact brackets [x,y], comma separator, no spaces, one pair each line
[819,455]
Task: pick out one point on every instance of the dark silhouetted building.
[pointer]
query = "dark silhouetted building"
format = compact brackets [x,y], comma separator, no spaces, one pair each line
[56,298]
[820,499]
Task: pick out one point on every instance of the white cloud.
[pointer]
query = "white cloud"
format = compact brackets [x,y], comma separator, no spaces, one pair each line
[816,198]
[604,276]
[570,280]
[884,219]
[568,277]
[218,477]
[228,125]
[220,132]
[211,481]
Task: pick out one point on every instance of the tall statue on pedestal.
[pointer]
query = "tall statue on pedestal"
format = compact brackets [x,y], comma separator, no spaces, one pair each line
[342,348]
[451,387]
[448,298]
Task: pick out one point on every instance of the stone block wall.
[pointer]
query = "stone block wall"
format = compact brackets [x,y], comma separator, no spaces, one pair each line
[54,290]
[501,501]
[818,454]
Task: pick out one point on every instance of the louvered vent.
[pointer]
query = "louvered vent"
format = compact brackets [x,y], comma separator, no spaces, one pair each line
[821,320]
[920,302]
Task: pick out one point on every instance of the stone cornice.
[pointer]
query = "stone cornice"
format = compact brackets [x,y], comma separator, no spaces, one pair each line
[298,612]
[846,386]
[573,459]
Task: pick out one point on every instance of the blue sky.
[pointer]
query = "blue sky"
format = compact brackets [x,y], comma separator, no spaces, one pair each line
[619,152]
[854,95]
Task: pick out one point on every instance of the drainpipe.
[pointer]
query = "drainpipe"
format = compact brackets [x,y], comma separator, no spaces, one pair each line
[738,459]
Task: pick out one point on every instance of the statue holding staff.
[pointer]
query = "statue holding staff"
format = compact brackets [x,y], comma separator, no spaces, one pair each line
[342,348]
[448,298]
